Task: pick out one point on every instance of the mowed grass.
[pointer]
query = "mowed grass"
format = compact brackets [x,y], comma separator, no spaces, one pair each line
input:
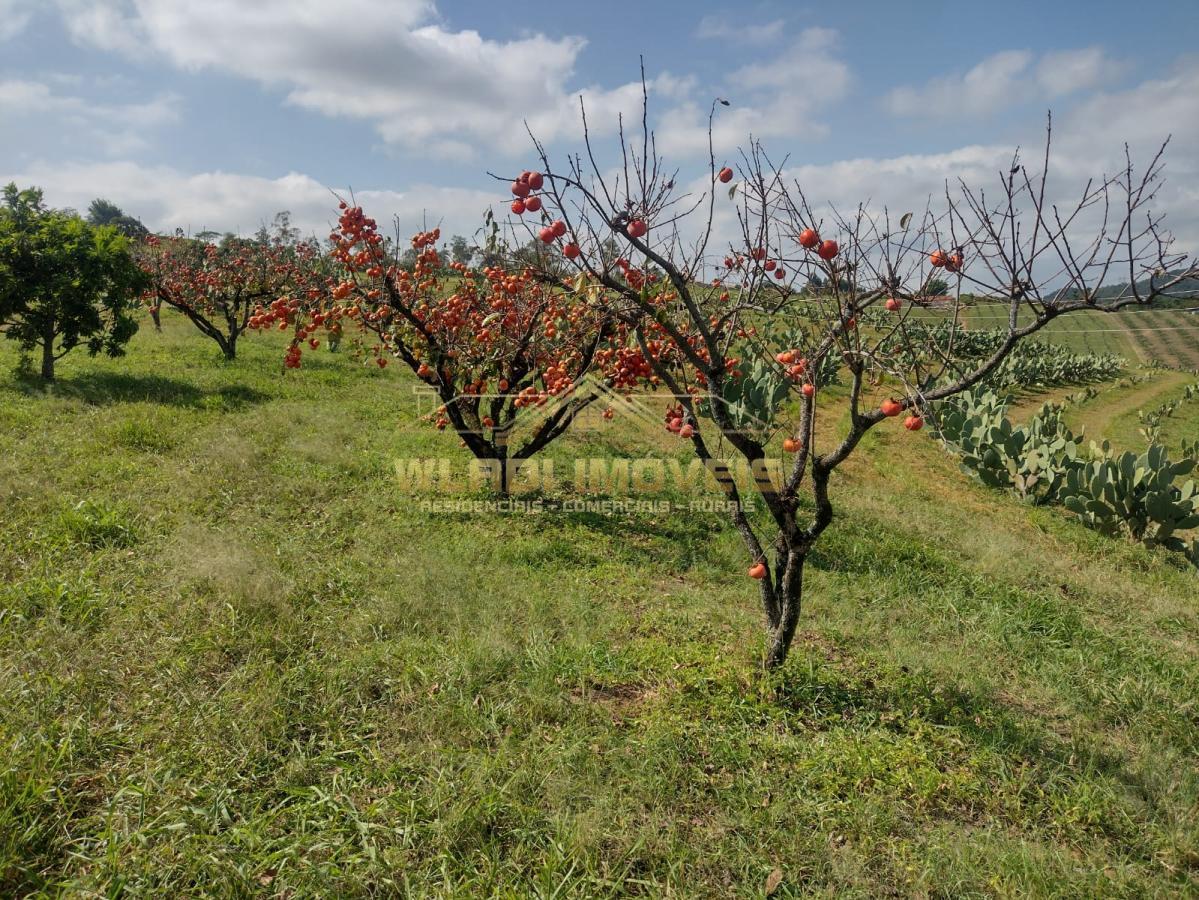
[236,659]
[1114,414]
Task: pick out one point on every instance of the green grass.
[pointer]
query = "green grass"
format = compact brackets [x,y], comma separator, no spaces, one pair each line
[1168,337]
[235,659]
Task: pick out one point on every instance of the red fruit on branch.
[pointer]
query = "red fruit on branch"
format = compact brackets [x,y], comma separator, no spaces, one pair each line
[758,253]
[558,228]
[893,305]
[791,445]
[520,188]
[725,175]
[938,258]
[913,423]
[780,273]
[808,238]
[809,390]
[757,571]
[518,206]
[533,204]
[637,228]
[535,181]
[571,250]
[546,234]
[828,250]
[891,407]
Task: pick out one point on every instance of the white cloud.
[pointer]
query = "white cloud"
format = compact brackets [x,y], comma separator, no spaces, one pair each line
[1002,80]
[1088,143]
[117,129]
[14,17]
[997,81]
[719,28]
[165,198]
[423,86]
[1068,71]
[777,98]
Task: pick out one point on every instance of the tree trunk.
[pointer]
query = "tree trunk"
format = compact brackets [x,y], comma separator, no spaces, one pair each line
[789,592]
[48,355]
[156,315]
[230,347]
[505,465]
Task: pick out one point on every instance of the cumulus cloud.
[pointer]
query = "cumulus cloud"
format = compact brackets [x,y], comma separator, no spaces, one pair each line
[995,82]
[14,17]
[165,198]
[1088,143]
[764,101]
[1068,71]
[713,27]
[424,86]
[116,128]
[1001,80]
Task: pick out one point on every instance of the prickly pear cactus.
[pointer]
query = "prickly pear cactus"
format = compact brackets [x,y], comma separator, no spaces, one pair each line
[752,401]
[1136,495]
[1031,459]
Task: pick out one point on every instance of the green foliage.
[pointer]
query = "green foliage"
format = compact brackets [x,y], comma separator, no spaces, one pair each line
[1137,496]
[752,401]
[1152,421]
[1031,459]
[63,282]
[1031,363]
[936,287]
[96,525]
[1042,463]
[104,212]
[461,250]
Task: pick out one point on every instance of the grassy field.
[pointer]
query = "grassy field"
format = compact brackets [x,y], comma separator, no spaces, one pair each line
[1166,336]
[237,659]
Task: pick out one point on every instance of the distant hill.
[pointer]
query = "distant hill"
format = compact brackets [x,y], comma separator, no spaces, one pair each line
[1184,294]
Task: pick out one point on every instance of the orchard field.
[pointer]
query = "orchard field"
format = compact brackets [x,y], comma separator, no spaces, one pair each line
[1166,336]
[236,658]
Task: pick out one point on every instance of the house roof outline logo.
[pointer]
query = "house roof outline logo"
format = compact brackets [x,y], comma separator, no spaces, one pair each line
[628,407]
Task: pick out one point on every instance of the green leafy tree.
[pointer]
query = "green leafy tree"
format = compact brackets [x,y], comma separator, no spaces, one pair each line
[104,212]
[936,287]
[63,282]
[461,250]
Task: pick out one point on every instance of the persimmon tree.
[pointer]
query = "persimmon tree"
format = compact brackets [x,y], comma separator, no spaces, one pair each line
[499,346]
[221,286]
[749,315]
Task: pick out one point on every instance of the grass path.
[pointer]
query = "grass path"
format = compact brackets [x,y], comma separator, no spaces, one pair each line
[1113,414]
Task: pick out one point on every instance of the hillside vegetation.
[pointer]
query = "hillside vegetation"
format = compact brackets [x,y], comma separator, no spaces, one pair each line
[236,658]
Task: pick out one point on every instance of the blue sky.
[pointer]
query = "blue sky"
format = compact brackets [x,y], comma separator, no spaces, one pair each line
[216,114]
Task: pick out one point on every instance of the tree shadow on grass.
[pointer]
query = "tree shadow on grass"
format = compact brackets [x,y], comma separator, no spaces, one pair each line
[844,690]
[104,388]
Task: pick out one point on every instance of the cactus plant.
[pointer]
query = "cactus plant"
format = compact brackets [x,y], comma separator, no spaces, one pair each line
[1031,459]
[1135,495]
